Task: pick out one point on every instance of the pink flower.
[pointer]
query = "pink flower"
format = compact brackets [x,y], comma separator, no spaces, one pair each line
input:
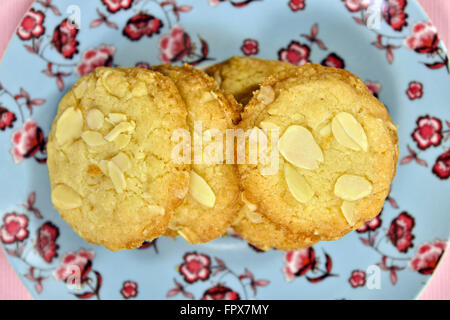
[143,65]
[129,289]
[298,263]
[75,267]
[7,118]
[357,279]
[32,25]
[356,5]
[14,228]
[374,87]
[394,13]
[428,132]
[295,53]
[116,5]
[46,241]
[220,292]
[400,232]
[27,141]
[371,225]
[442,166]
[296,5]
[175,45]
[423,38]
[334,61]
[428,256]
[415,90]
[142,24]
[250,47]
[64,39]
[96,57]
[196,267]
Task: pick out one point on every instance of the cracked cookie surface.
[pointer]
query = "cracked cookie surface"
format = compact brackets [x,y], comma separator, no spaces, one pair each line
[240,76]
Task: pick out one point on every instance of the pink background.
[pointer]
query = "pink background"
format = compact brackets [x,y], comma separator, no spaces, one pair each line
[11,12]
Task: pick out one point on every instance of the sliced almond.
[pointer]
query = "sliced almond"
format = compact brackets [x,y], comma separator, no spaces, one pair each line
[157,209]
[93,138]
[188,235]
[201,191]
[348,210]
[95,119]
[139,89]
[254,217]
[297,145]
[120,128]
[69,126]
[122,141]
[115,83]
[250,206]
[325,131]
[103,165]
[122,161]
[349,132]
[266,95]
[297,184]
[352,187]
[115,118]
[117,177]
[64,197]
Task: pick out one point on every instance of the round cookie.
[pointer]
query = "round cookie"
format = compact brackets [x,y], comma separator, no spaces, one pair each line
[213,199]
[109,156]
[264,234]
[338,155]
[240,76]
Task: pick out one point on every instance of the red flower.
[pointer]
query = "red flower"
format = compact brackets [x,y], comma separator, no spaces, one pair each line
[415,90]
[116,5]
[356,5]
[220,292]
[371,225]
[96,57]
[333,60]
[64,39]
[423,38]
[32,25]
[7,118]
[196,267]
[75,267]
[140,25]
[296,5]
[27,141]
[400,232]
[357,279]
[250,47]
[428,256]
[428,132]
[14,228]
[298,263]
[175,45]
[394,14]
[143,65]
[374,87]
[295,53]
[442,166]
[46,241]
[129,289]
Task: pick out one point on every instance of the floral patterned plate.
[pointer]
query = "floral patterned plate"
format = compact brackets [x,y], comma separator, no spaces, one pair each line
[401,58]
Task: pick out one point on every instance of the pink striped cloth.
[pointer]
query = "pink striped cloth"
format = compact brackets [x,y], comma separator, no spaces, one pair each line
[11,12]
